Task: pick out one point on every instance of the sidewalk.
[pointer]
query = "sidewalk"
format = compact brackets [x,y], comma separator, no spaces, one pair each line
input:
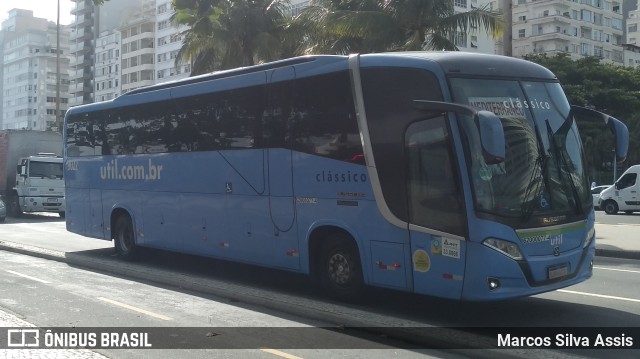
[619,241]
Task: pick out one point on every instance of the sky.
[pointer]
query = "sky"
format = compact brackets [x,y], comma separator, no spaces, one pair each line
[47,9]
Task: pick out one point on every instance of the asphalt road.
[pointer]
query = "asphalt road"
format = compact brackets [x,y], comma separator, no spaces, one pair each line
[609,299]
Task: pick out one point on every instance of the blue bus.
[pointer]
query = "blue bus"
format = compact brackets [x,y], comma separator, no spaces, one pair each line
[448,174]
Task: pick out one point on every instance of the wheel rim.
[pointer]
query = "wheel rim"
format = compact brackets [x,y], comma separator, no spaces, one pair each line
[339,269]
[610,207]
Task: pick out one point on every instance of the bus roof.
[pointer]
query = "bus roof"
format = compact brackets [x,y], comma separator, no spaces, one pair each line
[470,64]
[451,62]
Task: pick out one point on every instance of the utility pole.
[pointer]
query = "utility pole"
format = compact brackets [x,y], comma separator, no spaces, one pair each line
[58,120]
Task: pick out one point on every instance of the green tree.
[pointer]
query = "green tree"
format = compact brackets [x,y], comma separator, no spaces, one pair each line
[344,26]
[609,88]
[223,34]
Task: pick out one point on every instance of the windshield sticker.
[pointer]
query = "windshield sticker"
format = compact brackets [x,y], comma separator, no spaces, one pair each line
[421,261]
[501,106]
[508,106]
[545,200]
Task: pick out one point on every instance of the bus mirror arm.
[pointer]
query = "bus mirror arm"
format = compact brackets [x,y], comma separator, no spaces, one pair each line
[617,127]
[489,126]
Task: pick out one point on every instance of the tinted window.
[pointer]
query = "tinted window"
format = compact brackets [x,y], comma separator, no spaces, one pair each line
[324,119]
[388,97]
[217,121]
[435,200]
[319,109]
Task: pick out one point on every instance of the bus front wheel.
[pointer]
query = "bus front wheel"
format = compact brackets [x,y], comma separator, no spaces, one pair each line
[610,207]
[340,269]
[124,239]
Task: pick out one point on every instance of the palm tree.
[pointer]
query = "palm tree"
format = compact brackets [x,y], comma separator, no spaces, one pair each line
[223,34]
[340,27]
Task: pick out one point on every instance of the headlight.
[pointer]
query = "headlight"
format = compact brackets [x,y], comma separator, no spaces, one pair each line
[505,247]
[591,234]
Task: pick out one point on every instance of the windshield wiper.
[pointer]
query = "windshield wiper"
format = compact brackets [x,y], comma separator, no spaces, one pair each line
[533,187]
[557,140]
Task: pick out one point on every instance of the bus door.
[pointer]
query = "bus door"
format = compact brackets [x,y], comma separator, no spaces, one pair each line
[278,138]
[436,211]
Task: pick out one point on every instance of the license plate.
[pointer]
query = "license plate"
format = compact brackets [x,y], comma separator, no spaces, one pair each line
[558,271]
[52,200]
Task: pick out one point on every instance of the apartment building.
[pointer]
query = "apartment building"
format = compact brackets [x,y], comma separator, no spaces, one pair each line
[578,27]
[137,34]
[476,39]
[107,66]
[30,72]
[90,22]
[168,42]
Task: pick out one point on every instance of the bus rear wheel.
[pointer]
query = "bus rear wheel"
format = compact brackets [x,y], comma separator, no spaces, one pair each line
[340,270]
[125,239]
[610,207]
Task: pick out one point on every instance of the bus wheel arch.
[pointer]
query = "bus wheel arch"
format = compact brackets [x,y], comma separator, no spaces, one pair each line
[335,263]
[124,235]
[610,206]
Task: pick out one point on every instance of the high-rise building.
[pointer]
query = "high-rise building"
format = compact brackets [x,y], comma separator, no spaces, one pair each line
[107,66]
[82,43]
[137,34]
[168,44]
[30,73]
[91,21]
[579,28]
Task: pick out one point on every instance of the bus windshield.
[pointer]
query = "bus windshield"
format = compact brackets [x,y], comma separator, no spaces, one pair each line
[543,173]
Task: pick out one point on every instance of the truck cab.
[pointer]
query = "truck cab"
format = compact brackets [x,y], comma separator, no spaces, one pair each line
[40,184]
[624,195]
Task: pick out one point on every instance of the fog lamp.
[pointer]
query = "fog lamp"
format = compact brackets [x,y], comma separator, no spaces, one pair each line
[493,283]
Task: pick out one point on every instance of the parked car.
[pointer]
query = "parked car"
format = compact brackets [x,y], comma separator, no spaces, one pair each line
[595,193]
[3,211]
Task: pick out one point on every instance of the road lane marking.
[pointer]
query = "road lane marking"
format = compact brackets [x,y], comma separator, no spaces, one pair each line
[617,270]
[28,277]
[600,295]
[135,309]
[280,354]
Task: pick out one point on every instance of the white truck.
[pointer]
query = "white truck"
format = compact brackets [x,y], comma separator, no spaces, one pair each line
[624,195]
[31,176]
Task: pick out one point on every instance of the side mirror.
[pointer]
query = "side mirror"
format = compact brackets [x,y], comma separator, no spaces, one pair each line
[489,126]
[22,170]
[619,129]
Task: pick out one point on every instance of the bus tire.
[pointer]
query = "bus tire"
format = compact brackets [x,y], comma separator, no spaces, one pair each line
[340,271]
[124,238]
[610,207]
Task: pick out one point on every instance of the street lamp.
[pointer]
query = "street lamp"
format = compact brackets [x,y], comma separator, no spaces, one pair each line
[58,122]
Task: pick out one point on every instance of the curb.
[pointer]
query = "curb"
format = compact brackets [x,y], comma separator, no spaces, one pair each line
[614,253]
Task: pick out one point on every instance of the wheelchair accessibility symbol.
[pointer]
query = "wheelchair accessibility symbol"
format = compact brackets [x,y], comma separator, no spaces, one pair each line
[544,200]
